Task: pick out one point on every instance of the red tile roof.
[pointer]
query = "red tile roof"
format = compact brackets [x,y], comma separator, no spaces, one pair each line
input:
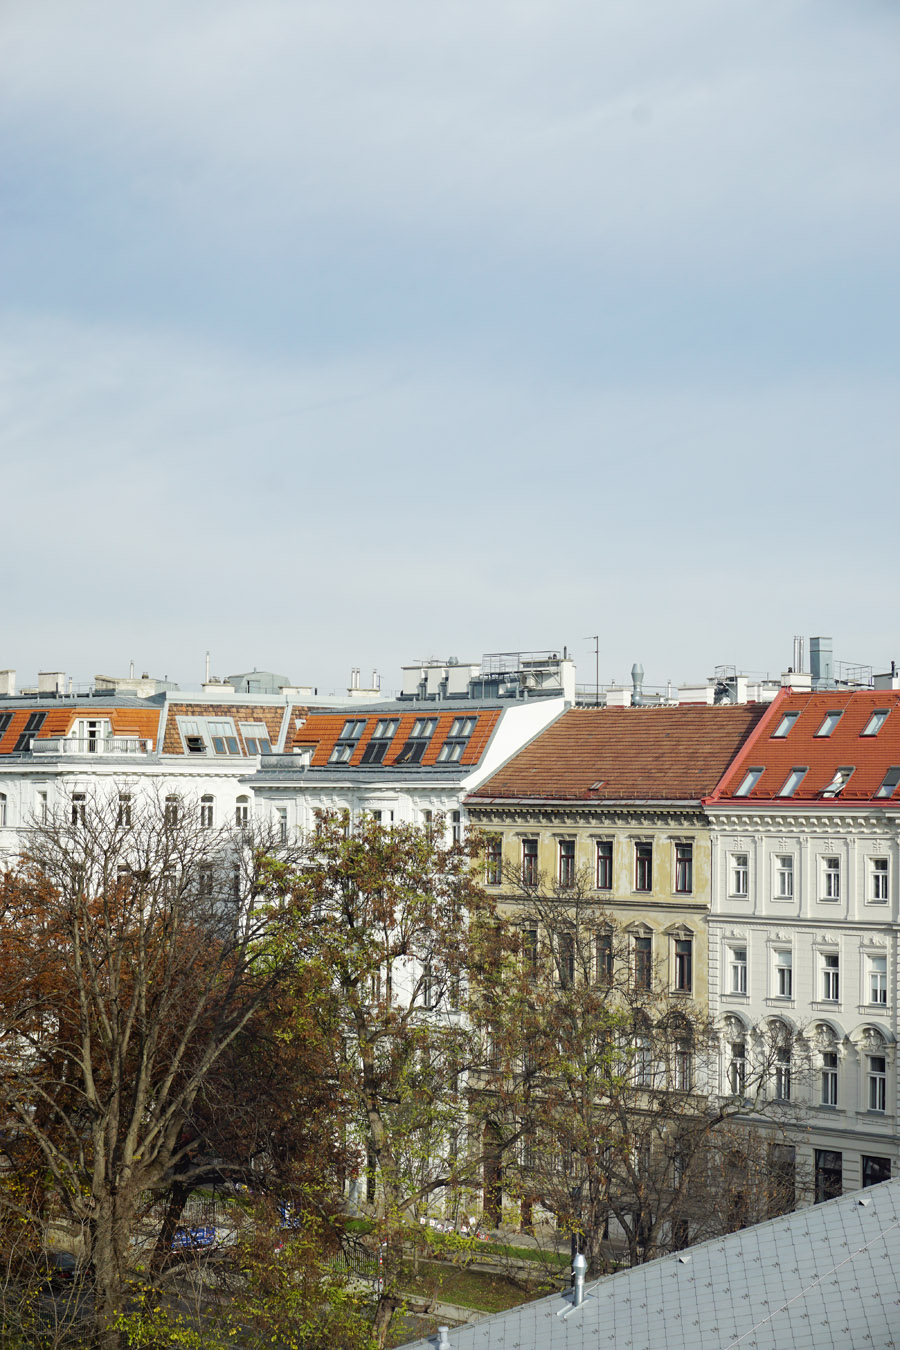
[870,757]
[140,722]
[323,731]
[626,754]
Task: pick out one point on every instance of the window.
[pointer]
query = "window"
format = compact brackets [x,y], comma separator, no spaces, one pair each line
[205,880]
[256,738]
[878,881]
[831,879]
[242,811]
[32,727]
[196,745]
[829,722]
[565,956]
[383,817]
[737,970]
[643,1055]
[347,741]
[888,787]
[683,1064]
[223,738]
[604,958]
[643,962]
[123,817]
[415,747]
[792,782]
[3,808]
[170,810]
[530,952]
[784,985]
[281,824]
[829,1178]
[375,751]
[5,719]
[740,873]
[684,948]
[748,782]
[643,867]
[493,861]
[839,782]
[784,876]
[604,864]
[207,811]
[456,831]
[567,862]
[530,862]
[878,980]
[876,1081]
[875,1170]
[452,749]
[829,1078]
[783,1073]
[79,808]
[784,726]
[831,977]
[41,810]
[737,1067]
[684,868]
[875,722]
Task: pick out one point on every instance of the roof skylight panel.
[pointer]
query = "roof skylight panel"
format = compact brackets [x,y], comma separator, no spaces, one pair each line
[794,779]
[784,725]
[891,780]
[748,782]
[875,722]
[347,741]
[830,721]
[838,783]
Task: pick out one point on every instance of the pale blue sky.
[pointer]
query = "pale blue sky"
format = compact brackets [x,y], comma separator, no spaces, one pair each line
[346,332]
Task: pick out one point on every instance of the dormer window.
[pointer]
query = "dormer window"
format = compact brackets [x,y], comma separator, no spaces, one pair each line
[784,726]
[889,786]
[223,738]
[838,783]
[460,732]
[829,722]
[875,722]
[32,727]
[5,719]
[794,779]
[749,782]
[384,733]
[348,741]
[256,738]
[422,732]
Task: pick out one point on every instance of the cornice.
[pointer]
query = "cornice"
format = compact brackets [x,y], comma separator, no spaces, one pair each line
[801,822]
[586,814]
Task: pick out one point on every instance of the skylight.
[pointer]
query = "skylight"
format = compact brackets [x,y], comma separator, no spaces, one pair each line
[347,743]
[749,782]
[794,779]
[830,722]
[875,722]
[838,782]
[888,787]
[784,725]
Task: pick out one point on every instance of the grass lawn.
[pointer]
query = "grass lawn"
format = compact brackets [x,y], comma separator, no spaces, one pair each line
[474,1289]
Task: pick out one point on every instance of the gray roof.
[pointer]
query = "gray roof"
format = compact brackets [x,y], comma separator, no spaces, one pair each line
[822,1277]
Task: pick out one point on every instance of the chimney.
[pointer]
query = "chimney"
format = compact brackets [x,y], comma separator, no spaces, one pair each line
[354,678]
[820,665]
[637,684]
[51,682]
[579,1266]
[8,682]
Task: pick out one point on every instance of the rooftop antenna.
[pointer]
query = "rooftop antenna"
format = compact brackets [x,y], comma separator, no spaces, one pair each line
[131,670]
[595,638]
[207,669]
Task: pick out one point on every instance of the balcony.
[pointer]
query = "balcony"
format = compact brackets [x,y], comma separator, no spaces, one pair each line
[96,745]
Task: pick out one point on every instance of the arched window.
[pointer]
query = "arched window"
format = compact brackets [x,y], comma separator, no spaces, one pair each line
[780,1045]
[242,811]
[207,811]
[642,1050]
[735,1044]
[827,1045]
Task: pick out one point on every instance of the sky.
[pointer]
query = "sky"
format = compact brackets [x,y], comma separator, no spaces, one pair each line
[346,333]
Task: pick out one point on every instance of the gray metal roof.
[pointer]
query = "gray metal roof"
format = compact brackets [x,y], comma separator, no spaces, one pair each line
[817,1279]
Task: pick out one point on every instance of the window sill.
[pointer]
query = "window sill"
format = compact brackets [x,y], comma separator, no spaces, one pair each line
[739,895]
[867,1009]
[736,997]
[780,1001]
[826,1005]
[681,993]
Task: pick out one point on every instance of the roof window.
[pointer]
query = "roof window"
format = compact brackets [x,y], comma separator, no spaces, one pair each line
[384,733]
[749,782]
[422,732]
[256,738]
[891,779]
[875,722]
[32,727]
[838,782]
[829,722]
[5,719]
[794,779]
[347,741]
[784,726]
[223,738]
[460,732]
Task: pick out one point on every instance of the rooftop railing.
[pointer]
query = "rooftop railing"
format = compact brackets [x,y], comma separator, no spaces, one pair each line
[93,745]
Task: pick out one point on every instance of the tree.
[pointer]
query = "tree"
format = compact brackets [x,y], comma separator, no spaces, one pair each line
[396,926]
[136,948]
[602,1089]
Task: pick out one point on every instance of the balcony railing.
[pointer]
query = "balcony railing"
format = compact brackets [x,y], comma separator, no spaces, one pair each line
[94,745]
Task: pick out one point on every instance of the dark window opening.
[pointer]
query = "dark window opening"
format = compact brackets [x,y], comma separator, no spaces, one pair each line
[377,747]
[530,862]
[419,738]
[875,1170]
[829,1174]
[643,962]
[567,862]
[643,867]
[32,727]
[684,868]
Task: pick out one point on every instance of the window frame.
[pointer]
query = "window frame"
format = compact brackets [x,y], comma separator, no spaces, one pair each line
[877,980]
[683,964]
[734,872]
[829,878]
[828,1079]
[684,868]
[604,867]
[783,866]
[530,871]
[876,1083]
[869,729]
[493,860]
[642,961]
[783,972]
[829,723]
[785,726]
[643,866]
[878,874]
[737,969]
[831,977]
[566,863]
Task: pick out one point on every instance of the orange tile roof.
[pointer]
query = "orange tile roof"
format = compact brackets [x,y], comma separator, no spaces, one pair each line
[870,757]
[626,754]
[140,722]
[323,731]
